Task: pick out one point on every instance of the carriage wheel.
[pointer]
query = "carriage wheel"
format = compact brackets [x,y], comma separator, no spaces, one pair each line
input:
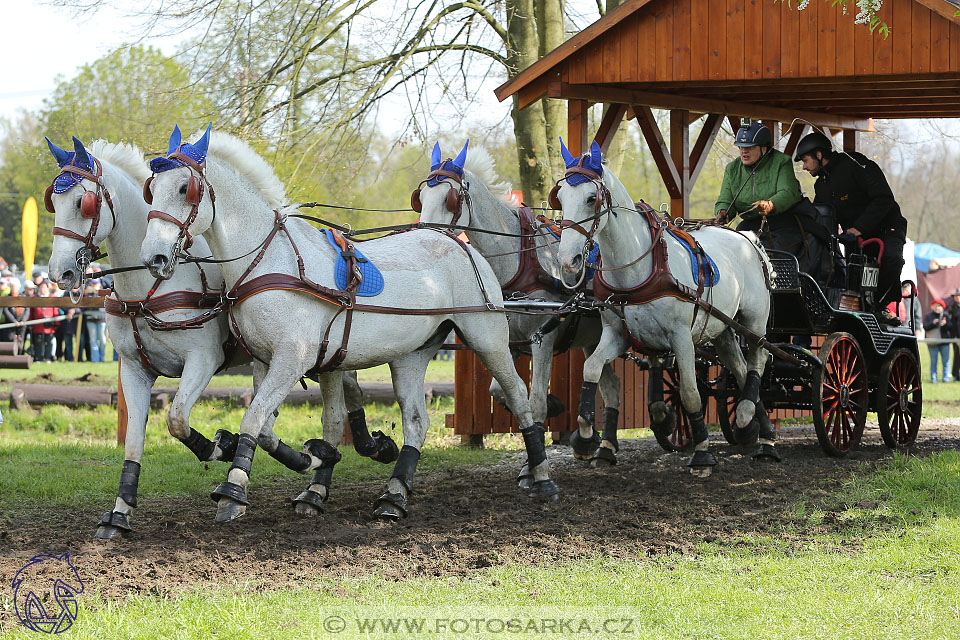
[680,438]
[728,394]
[899,399]
[840,394]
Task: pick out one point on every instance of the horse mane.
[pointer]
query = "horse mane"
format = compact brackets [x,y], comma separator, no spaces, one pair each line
[480,163]
[124,156]
[248,163]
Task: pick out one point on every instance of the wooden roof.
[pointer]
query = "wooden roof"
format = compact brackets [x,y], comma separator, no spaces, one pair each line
[760,59]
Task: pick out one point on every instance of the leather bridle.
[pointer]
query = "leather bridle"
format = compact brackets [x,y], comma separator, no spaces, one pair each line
[195,190]
[602,205]
[456,196]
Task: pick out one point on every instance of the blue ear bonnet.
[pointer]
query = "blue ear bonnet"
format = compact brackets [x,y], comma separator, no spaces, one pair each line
[453,166]
[66,181]
[196,152]
[592,161]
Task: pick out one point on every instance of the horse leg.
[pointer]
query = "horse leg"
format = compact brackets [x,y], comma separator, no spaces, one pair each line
[231,495]
[756,360]
[488,343]
[662,416]
[408,373]
[732,358]
[379,446]
[702,461]
[198,369]
[137,382]
[610,390]
[585,440]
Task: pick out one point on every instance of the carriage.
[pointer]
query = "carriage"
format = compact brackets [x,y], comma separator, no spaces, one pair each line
[859,365]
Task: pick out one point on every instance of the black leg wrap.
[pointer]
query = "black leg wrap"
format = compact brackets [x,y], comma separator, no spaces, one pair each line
[702,459]
[697,427]
[610,418]
[243,459]
[767,430]
[323,475]
[606,455]
[129,478]
[328,454]
[227,441]
[588,401]
[545,490]
[533,441]
[406,465]
[385,449]
[751,388]
[655,385]
[555,406]
[117,520]
[767,452]
[362,442]
[198,443]
[290,458]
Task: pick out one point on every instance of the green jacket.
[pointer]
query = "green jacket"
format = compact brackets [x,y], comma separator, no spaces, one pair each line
[774,181]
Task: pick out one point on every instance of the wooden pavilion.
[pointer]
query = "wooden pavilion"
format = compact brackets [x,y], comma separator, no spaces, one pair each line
[726,59]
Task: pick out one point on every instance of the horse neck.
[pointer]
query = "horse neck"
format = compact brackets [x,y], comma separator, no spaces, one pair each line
[491,214]
[624,238]
[240,206]
[123,242]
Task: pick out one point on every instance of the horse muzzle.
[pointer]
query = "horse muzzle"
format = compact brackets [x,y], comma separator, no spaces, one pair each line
[574,264]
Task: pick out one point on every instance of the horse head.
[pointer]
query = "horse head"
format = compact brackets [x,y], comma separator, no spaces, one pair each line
[177,191]
[76,198]
[440,197]
[583,196]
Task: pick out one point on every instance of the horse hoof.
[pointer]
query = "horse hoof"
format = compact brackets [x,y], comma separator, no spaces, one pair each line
[391,507]
[658,412]
[767,453]
[545,491]
[306,510]
[584,448]
[555,406]
[701,472]
[387,450]
[106,532]
[309,504]
[604,458]
[228,510]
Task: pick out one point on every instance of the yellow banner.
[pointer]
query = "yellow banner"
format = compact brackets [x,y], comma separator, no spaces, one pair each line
[30,222]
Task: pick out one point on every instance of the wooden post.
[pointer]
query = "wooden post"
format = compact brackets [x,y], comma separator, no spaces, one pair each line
[796,133]
[609,125]
[850,140]
[680,152]
[577,141]
[121,410]
[774,127]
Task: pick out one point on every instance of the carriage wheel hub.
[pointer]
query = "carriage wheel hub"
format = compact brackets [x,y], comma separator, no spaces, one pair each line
[844,396]
[903,397]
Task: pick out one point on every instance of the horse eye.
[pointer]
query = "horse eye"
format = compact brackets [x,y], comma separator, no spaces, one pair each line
[183,189]
[79,200]
[591,198]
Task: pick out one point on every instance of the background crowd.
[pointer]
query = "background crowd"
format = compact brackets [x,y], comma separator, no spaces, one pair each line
[943,322]
[48,333]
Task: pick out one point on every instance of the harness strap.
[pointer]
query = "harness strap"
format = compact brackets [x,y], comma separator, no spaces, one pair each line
[530,275]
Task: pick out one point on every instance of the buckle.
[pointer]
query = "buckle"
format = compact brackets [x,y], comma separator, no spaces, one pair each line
[491,307]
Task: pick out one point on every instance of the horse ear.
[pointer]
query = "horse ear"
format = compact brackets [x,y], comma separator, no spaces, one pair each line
[596,157]
[435,157]
[204,142]
[462,156]
[175,138]
[568,158]
[61,156]
[83,158]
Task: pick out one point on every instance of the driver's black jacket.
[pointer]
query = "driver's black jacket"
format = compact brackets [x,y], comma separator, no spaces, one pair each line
[860,196]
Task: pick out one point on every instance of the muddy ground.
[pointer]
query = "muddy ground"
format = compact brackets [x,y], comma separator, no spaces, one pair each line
[460,523]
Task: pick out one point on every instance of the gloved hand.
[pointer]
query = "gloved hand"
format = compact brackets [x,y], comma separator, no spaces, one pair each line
[763,207]
[847,238]
[722,216]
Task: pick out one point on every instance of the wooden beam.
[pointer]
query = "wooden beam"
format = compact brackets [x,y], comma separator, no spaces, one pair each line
[774,128]
[849,140]
[669,101]
[609,125]
[796,133]
[754,85]
[698,157]
[945,9]
[659,151]
[734,124]
[680,152]
[577,127]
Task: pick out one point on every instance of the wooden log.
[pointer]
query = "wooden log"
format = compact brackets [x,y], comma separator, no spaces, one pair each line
[71,396]
[15,362]
[18,400]
[9,348]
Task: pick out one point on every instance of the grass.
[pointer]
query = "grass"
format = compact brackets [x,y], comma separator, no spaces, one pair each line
[888,568]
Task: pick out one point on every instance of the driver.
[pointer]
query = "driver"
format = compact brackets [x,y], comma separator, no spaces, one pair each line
[763,190]
[864,205]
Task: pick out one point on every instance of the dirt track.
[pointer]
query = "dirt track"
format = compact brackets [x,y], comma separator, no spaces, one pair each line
[459,524]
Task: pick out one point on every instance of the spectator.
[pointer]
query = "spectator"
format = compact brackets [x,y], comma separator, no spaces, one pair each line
[95,325]
[934,324]
[13,314]
[954,312]
[41,335]
[5,277]
[66,331]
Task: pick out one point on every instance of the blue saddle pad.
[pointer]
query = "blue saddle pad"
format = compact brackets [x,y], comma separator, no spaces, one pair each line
[591,259]
[712,272]
[372,284]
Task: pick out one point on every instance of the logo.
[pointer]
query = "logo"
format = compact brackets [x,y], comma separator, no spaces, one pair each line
[45,593]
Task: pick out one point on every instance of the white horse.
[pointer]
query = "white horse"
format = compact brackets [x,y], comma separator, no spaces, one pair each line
[193,355]
[592,196]
[288,331]
[483,210]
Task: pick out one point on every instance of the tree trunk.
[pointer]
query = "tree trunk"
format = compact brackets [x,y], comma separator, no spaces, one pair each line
[550,29]
[529,126]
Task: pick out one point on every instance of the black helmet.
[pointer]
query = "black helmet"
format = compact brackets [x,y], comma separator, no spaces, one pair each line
[811,143]
[752,135]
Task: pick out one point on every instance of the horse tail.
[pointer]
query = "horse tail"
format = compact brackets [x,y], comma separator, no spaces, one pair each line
[761,253]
